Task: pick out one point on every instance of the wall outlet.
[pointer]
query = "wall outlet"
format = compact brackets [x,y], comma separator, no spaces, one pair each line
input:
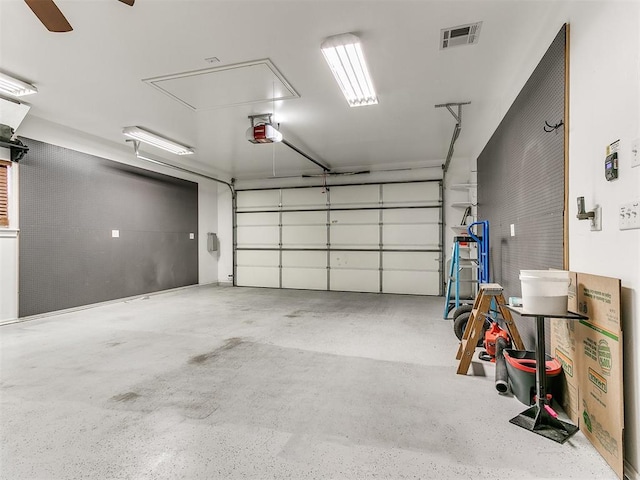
[192,236]
[115,233]
[635,153]
[629,215]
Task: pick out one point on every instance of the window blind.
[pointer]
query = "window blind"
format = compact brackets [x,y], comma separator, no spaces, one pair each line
[4,193]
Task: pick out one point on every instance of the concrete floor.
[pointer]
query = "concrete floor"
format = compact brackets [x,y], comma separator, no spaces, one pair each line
[225,383]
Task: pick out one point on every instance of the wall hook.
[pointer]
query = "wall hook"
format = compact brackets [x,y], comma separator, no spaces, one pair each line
[552,128]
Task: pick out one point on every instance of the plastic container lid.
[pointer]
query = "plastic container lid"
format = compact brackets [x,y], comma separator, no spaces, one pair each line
[544,279]
[546,274]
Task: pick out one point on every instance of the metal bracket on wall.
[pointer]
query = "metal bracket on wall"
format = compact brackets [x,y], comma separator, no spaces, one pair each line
[456,130]
[17,148]
[594,216]
[139,156]
[262,118]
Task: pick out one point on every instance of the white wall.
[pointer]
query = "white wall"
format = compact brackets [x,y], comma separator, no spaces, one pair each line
[9,249]
[207,222]
[42,130]
[604,107]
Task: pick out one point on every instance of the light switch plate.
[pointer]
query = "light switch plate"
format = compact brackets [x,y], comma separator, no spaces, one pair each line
[115,233]
[629,215]
[191,236]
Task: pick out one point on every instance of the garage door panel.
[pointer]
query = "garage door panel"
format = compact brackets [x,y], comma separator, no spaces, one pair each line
[353,236]
[258,237]
[259,258]
[362,280]
[257,230]
[304,218]
[304,198]
[411,215]
[257,200]
[253,219]
[355,271]
[354,217]
[306,259]
[355,196]
[423,261]
[411,282]
[354,260]
[258,276]
[306,236]
[258,268]
[304,269]
[410,236]
[421,193]
[304,278]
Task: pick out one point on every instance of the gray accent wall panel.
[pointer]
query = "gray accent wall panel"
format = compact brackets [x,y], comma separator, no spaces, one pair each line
[521,179]
[69,204]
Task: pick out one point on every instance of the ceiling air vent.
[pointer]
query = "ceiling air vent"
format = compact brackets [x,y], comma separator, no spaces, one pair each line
[460,35]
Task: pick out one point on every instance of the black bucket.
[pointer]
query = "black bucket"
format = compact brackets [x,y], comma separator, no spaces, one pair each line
[521,367]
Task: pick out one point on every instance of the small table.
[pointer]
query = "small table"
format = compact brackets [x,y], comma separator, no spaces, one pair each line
[537,418]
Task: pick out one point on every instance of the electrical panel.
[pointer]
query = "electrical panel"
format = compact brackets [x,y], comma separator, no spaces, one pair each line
[212,242]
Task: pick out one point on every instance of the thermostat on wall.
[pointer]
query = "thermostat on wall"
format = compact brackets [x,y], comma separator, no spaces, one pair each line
[611,161]
[611,166]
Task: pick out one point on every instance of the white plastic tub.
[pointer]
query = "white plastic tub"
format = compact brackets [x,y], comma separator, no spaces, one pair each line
[545,291]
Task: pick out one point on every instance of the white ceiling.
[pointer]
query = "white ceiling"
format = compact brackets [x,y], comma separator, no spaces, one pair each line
[91,79]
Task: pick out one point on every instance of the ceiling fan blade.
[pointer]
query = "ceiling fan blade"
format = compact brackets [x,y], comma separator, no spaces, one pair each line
[128,2]
[50,15]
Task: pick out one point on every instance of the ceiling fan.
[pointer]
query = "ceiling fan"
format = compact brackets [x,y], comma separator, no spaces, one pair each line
[51,16]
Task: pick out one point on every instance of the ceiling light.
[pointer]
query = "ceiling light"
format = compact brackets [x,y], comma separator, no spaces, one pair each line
[17,88]
[144,136]
[344,55]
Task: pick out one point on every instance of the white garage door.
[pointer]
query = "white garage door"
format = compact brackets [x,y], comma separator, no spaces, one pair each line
[363,238]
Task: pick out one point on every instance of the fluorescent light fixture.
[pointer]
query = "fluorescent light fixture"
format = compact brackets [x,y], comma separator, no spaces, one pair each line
[344,55]
[12,112]
[17,88]
[144,136]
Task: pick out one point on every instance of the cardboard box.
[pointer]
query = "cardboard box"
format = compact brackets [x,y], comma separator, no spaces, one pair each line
[590,352]
[599,367]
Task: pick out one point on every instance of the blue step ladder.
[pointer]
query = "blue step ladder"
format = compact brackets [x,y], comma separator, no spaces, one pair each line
[458,264]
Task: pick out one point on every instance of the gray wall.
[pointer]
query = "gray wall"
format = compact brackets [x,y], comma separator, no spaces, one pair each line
[69,204]
[521,180]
